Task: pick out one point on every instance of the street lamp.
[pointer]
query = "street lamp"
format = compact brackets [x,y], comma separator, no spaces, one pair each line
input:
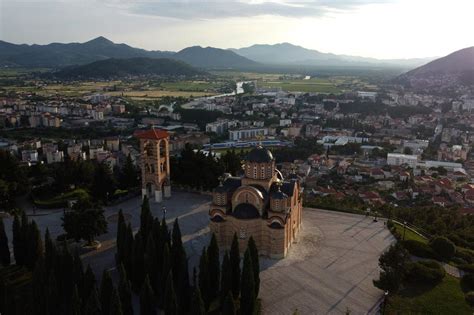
[367,212]
[163,209]
[384,302]
[375,216]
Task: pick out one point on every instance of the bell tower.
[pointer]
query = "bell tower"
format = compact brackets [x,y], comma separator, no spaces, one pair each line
[155,164]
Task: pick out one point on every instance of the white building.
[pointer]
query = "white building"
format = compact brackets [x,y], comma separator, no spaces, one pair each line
[247,133]
[400,159]
[54,157]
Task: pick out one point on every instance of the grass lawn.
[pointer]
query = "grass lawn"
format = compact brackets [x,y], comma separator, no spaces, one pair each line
[61,200]
[409,235]
[445,298]
[313,85]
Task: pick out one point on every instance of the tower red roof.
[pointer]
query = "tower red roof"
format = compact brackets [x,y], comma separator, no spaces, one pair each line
[153,134]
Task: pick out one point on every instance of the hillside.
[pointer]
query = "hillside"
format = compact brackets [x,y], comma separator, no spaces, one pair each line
[289,54]
[453,69]
[111,68]
[210,57]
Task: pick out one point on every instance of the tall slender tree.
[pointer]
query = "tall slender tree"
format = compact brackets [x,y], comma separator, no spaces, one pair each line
[76,302]
[18,241]
[88,285]
[121,234]
[146,218]
[204,282]
[255,263]
[247,291]
[197,304]
[115,304]
[34,245]
[180,269]
[50,251]
[138,261]
[147,305]
[165,270]
[92,306]
[151,262]
[235,266]
[226,278]
[106,288]
[229,308]
[214,267]
[39,296]
[171,306]
[125,291]
[4,250]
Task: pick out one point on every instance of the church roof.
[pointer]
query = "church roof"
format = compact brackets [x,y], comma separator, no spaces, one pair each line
[230,184]
[278,195]
[286,187]
[260,155]
[246,211]
[153,134]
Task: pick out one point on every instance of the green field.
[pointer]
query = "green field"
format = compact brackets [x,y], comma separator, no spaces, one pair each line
[444,298]
[307,86]
[409,234]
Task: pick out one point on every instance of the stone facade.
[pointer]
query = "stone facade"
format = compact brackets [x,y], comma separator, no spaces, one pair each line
[259,204]
[155,164]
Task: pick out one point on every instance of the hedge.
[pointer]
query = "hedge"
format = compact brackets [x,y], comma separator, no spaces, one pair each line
[419,249]
[467,282]
[427,271]
[467,267]
[465,254]
[60,201]
[470,297]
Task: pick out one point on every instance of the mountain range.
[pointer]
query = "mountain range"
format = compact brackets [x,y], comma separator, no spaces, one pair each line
[289,54]
[57,55]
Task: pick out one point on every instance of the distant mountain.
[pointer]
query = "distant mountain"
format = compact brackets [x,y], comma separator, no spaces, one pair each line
[111,68]
[210,57]
[60,55]
[289,54]
[453,69]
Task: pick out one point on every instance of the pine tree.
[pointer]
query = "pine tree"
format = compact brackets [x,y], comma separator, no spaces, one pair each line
[75,302]
[147,305]
[204,282]
[115,304]
[93,304]
[197,304]
[106,288]
[235,266]
[34,245]
[18,242]
[226,278]
[228,308]
[214,267]
[255,263]
[146,218]
[4,250]
[171,306]
[247,291]
[89,284]
[125,292]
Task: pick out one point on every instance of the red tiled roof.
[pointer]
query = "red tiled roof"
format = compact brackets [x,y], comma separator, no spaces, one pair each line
[154,134]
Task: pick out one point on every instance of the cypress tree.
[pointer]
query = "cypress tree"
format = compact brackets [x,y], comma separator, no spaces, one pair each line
[75,302]
[18,242]
[138,261]
[34,245]
[128,250]
[247,292]
[115,304]
[77,271]
[255,263]
[125,292]
[52,299]
[204,282]
[235,266]
[151,262]
[197,304]
[4,250]
[228,308]
[146,218]
[180,268]
[171,306]
[165,234]
[147,305]
[166,268]
[38,285]
[93,304]
[50,252]
[226,278]
[89,284]
[63,274]
[106,288]
[214,267]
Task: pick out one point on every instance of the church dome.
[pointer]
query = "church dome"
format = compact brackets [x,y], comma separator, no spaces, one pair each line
[245,211]
[259,155]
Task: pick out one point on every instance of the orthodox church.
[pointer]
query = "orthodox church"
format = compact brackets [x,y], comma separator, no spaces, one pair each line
[260,204]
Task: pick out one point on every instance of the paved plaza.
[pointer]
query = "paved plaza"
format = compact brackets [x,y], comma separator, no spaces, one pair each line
[329,270]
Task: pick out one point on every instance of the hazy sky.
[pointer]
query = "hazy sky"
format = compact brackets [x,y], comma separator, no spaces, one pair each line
[372,28]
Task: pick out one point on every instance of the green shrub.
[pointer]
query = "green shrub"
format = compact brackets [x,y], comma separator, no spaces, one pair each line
[428,271]
[470,297]
[444,248]
[417,248]
[467,282]
[465,254]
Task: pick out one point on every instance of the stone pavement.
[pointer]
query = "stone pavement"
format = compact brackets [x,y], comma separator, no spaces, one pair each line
[330,269]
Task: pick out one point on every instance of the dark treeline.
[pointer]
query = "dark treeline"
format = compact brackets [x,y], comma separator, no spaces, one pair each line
[157,265]
[301,150]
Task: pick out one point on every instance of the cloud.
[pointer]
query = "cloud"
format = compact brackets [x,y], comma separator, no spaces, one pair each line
[203,9]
